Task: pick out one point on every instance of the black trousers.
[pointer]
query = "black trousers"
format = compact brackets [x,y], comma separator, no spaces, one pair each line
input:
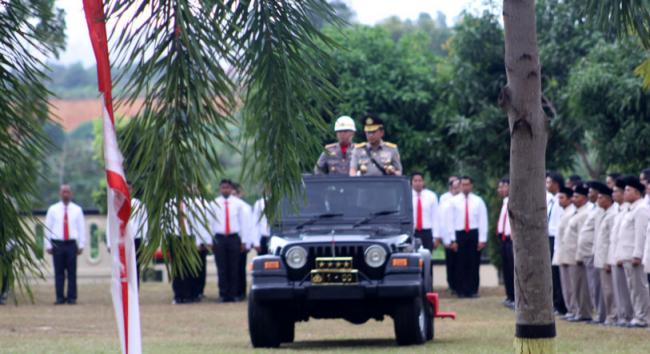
[8,257]
[200,280]
[64,258]
[241,291]
[508,266]
[467,263]
[227,253]
[185,285]
[450,265]
[558,299]
[426,236]
[264,244]
[137,242]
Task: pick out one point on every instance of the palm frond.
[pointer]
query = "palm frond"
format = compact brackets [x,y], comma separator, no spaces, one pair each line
[23,110]
[190,61]
[622,17]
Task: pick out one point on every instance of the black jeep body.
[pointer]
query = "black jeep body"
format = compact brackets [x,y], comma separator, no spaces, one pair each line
[343,248]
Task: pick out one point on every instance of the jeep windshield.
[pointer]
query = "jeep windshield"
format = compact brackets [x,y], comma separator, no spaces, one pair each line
[346,202]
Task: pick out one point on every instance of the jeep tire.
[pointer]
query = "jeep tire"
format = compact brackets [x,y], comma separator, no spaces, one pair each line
[287,331]
[263,325]
[409,318]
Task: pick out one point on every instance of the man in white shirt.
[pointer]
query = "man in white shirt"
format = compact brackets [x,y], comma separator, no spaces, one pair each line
[262,228]
[622,300]
[555,181]
[560,256]
[630,248]
[504,235]
[198,219]
[249,239]
[65,239]
[453,184]
[229,230]
[425,212]
[137,228]
[469,220]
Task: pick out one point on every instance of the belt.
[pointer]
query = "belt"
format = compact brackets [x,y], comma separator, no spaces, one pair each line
[63,241]
[229,235]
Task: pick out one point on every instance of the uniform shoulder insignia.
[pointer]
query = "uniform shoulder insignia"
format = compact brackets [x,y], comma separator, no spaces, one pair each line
[390,145]
[329,146]
[360,145]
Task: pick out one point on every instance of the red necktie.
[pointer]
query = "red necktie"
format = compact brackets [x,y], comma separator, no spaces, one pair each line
[66,229]
[418,223]
[466,214]
[227,219]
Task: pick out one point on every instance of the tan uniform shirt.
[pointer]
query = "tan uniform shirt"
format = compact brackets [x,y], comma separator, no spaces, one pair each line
[587,233]
[632,232]
[603,237]
[562,227]
[570,243]
[613,238]
[386,154]
[333,161]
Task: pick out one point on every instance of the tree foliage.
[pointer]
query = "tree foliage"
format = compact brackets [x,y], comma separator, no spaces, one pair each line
[29,30]
[608,103]
[194,63]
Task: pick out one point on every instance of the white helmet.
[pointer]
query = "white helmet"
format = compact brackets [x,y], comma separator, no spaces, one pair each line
[344,123]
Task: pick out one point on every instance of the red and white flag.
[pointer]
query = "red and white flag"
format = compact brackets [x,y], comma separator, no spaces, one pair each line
[124,287]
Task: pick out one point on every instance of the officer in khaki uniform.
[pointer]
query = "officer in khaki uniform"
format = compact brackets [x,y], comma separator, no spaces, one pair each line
[630,248]
[606,308]
[581,302]
[335,160]
[375,157]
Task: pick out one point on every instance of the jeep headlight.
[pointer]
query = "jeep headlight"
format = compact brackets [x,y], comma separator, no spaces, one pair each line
[375,256]
[296,257]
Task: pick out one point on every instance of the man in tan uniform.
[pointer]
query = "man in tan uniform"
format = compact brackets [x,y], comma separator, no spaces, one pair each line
[580,296]
[630,247]
[560,257]
[375,157]
[622,299]
[335,159]
[585,250]
[606,308]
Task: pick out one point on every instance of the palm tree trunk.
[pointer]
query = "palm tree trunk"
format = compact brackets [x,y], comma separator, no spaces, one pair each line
[521,99]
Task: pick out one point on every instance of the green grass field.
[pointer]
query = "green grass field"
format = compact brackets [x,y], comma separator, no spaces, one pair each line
[483,326]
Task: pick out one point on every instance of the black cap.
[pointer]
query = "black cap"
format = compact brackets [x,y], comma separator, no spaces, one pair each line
[581,188]
[372,123]
[567,191]
[634,182]
[620,182]
[601,188]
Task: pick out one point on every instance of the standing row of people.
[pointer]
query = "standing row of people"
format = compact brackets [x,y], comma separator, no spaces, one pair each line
[459,222]
[601,249]
[230,228]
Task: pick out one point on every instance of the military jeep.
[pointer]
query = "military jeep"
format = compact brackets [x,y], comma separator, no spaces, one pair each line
[343,248]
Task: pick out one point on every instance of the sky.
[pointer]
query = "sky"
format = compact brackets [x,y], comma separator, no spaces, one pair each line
[367,12]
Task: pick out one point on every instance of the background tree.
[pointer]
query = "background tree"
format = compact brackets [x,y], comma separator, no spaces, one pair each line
[612,106]
[521,98]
